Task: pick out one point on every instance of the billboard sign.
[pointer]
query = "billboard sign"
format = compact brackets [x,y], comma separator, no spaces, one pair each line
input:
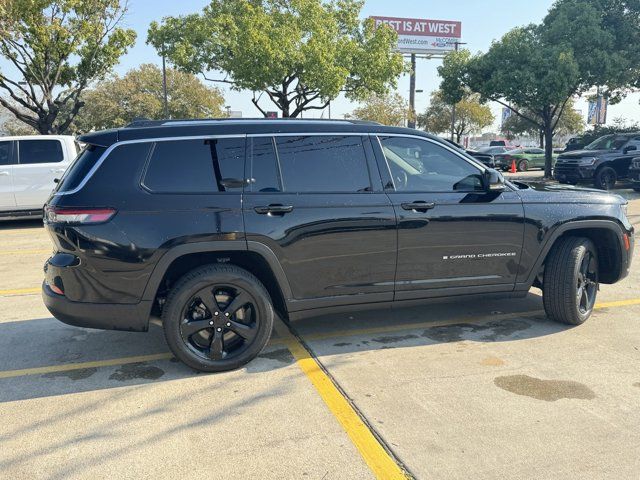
[417,35]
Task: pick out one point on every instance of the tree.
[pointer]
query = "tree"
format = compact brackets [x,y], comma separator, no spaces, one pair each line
[580,44]
[56,49]
[301,53]
[571,122]
[391,109]
[117,101]
[471,115]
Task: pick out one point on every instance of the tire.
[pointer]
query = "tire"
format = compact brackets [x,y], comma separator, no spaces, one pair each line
[570,283]
[211,341]
[523,166]
[606,178]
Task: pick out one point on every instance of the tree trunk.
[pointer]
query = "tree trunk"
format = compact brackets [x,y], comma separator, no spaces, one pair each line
[548,149]
[541,135]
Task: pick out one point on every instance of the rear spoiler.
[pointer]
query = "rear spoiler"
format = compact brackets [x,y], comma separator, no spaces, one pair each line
[103,138]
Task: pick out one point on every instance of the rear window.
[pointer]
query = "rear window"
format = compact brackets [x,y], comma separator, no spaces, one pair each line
[80,168]
[39,151]
[196,166]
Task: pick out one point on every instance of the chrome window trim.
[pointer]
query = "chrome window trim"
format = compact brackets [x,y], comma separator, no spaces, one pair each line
[309,134]
[112,147]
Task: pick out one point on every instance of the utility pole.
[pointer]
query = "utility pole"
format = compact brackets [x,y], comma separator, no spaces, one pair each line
[412,93]
[453,108]
[164,85]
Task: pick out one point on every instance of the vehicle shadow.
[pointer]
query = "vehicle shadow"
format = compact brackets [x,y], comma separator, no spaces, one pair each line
[22,224]
[51,343]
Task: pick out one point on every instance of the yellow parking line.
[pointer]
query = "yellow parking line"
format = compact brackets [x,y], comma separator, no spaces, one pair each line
[79,366]
[19,291]
[619,303]
[374,454]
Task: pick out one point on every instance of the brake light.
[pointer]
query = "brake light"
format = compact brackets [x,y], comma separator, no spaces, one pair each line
[81,216]
[627,242]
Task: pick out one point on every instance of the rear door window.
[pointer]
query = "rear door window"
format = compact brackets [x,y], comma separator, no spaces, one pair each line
[5,153]
[39,151]
[264,172]
[196,166]
[323,163]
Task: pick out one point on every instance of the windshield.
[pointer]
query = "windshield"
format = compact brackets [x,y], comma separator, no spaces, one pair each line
[608,142]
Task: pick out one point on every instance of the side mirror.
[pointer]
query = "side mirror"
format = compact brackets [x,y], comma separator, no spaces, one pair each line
[494,181]
[630,148]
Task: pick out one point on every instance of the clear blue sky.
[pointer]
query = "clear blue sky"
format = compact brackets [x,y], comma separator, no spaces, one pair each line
[482,22]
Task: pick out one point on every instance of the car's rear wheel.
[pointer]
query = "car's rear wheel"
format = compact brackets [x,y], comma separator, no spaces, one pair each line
[606,178]
[217,318]
[523,166]
[570,283]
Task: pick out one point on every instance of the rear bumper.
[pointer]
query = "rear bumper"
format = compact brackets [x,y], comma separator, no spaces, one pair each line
[104,316]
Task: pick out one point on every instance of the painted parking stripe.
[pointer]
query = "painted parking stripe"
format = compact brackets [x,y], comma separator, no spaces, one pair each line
[19,291]
[619,303]
[79,366]
[376,456]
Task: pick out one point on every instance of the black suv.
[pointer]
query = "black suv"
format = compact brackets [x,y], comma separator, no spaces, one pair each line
[214,225]
[634,173]
[603,162]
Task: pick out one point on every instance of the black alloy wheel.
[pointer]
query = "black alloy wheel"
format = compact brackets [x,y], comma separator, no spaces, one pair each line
[217,318]
[587,283]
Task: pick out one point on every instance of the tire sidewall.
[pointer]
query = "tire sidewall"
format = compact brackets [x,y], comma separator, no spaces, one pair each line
[199,279]
[599,180]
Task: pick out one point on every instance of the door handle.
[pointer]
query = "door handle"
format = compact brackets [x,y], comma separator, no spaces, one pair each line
[4,173]
[274,209]
[418,206]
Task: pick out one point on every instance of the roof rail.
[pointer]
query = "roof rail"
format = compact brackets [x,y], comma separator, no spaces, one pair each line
[145,122]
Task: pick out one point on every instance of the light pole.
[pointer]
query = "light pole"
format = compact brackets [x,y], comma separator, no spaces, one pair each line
[164,85]
[412,93]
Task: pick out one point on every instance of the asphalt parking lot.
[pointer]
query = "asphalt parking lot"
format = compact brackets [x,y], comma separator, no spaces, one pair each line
[486,388]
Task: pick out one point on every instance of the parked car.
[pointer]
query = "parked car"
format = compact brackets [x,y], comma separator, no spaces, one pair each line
[575,143]
[634,173]
[525,158]
[493,150]
[603,162]
[214,225]
[484,158]
[29,166]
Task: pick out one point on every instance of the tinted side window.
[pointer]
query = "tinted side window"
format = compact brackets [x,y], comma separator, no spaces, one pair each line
[5,153]
[40,151]
[323,164]
[196,166]
[422,166]
[80,168]
[264,175]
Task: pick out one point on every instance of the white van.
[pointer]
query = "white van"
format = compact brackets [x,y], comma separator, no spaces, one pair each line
[29,166]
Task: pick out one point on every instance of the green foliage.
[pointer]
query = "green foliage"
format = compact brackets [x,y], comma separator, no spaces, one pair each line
[300,53]
[539,68]
[391,109]
[618,126]
[57,48]
[471,115]
[571,122]
[118,100]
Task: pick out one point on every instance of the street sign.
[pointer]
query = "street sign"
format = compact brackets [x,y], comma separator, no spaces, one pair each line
[423,36]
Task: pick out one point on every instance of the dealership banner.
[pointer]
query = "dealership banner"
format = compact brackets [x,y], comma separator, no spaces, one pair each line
[417,35]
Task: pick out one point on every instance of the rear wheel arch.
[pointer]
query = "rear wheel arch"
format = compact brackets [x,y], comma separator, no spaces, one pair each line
[260,261]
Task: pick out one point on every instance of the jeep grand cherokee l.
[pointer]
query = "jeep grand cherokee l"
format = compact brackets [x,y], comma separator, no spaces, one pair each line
[602,162]
[214,225]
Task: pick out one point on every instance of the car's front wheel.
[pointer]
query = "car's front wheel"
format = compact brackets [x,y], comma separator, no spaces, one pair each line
[606,178]
[570,283]
[523,166]
[217,318]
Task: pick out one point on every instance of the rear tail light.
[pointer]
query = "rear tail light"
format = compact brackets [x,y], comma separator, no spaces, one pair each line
[82,216]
